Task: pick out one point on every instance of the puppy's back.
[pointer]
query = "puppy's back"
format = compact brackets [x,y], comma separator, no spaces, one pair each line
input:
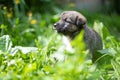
[93,42]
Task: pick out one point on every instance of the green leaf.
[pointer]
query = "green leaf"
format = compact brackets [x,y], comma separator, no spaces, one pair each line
[5,43]
[24,50]
[78,41]
[98,27]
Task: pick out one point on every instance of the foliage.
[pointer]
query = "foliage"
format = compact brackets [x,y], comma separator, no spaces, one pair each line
[39,64]
[20,29]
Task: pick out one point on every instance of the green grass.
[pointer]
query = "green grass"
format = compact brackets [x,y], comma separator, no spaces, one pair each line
[33,34]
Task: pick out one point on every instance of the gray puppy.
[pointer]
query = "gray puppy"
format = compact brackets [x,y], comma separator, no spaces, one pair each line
[71,23]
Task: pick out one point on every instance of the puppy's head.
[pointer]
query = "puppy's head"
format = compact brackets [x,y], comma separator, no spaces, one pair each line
[70,22]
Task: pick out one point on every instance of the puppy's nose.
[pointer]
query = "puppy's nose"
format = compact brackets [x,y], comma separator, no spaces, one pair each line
[55,24]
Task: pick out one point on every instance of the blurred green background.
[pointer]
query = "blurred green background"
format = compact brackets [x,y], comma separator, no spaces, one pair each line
[36,15]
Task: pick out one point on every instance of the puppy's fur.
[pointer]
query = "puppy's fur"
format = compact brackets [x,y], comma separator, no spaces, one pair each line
[71,23]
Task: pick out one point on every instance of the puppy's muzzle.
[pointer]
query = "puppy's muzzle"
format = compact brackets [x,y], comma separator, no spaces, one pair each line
[58,27]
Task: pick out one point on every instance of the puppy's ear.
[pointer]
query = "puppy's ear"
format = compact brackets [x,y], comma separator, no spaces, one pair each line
[80,21]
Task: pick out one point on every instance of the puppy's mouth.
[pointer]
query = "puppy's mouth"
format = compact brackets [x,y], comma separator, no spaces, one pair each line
[61,29]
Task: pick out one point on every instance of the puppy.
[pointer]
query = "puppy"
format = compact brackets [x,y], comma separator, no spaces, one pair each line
[70,25]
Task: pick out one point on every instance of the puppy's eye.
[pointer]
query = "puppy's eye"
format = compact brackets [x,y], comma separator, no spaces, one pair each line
[68,21]
[65,19]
